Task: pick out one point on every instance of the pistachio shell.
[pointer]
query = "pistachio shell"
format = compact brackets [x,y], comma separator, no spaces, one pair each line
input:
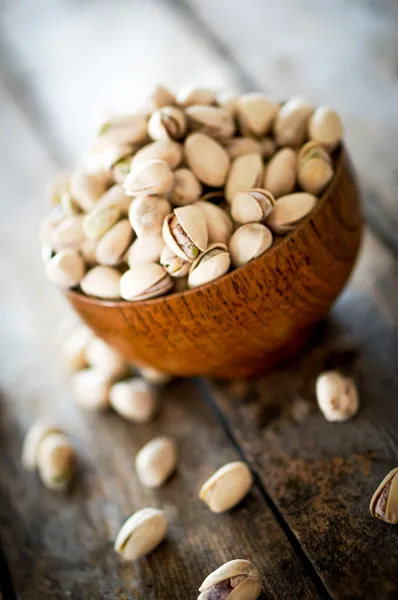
[187,188]
[246,173]
[213,121]
[325,127]
[280,173]
[227,487]
[145,249]
[147,214]
[252,206]
[289,211]
[154,376]
[59,186]
[69,206]
[227,101]
[121,169]
[384,503]
[313,149]
[113,245]
[90,388]
[49,224]
[160,97]
[56,460]
[102,282]
[86,188]
[134,400]
[152,177]
[256,113]
[210,265]
[314,174]
[144,281]
[88,251]
[104,156]
[207,159]
[248,242]
[68,234]
[239,146]
[115,196]
[170,152]
[106,359]
[189,96]
[66,268]
[185,231]
[123,130]
[174,265]
[35,435]
[167,123]
[219,224]
[99,220]
[141,533]
[291,122]
[156,462]
[337,396]
[74,349]
[235,580]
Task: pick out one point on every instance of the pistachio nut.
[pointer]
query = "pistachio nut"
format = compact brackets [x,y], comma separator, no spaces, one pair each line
[239,146]
[313,149]
[141,533]
[235,580]
[69,206]
[210,265]
[69,234]
[121,169]
[174,265]
[256,114]
[280,173]
[151,177]
[56,460]
[187,187]
[90,388]
[154,376]
[74,348]
[185,232]
[147,214]
[65,269]
[227,101]
[246,173]
[219,224]
[87,187]
[144,281]
[160,97]
[35,435]
[227,487]
[268,147]
[291,122]
[59,186]
[104,156]
[123,130]
[325,127]
[252,206]
[190,96]
[99,220]
[207,159]
[167,123]
[134,400]
[115,196]
[156,462]
[384,503]
[315,168]
[102,282]
[112,247]
[49,224]
[337,396]
[213,121]
[170,152]
[88,251]
[145,249]
[248,242]
[289,211]
[105,359]
[181,284]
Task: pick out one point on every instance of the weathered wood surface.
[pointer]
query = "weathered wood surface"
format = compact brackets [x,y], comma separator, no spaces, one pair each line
[307,518]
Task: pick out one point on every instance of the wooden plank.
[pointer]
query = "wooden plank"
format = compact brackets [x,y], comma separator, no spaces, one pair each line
[321,475]
[336,53]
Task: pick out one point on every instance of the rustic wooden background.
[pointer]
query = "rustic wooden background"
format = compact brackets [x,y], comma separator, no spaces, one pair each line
[306,524]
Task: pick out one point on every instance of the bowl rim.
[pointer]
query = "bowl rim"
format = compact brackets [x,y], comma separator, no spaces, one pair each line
[340,160]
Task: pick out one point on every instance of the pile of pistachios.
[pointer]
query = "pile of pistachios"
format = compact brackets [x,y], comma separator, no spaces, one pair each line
[191,186]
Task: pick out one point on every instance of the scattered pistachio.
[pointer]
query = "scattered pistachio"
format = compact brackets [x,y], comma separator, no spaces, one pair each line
[167,123]
[141,533]
[102,282]
[280,173]
[325,127]
[156,462]
[151,177]
[185,232]
[207,159]
[337,396]
[384,503]
[90,388]
[246,173]
[35,435]
[105,359]
[147,214]
[235,580]
[145,249]
[210,265]
[56,461]
[144,281]
[174,265]
[134,400]
[227,487]
[291,122]
[248,242]
[74,348]
[187,187]
[113,245]
[289,211]
[252,206]
[155,376]
[66,268]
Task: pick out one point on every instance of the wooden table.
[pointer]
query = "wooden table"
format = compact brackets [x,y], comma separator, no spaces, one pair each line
[306,523]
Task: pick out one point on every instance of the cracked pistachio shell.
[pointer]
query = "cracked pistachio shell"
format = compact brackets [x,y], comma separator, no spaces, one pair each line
[167,123]
[88,251]
[141,533]
[314,174]
[256,114]
[219,224]
[90,388]
[105,359]
[170,152]
[123,130]
[59,186]
[384,503]
[160,96]
[213,121]
[291,122]
[35,435]
[68,234]
[280,173]
[337,396]
[325,127]
[56,461]
[86,188]
[207,159]
[289,211]
[112,246]
[185,232]
[246,172]
[252,206]
[134,400]
[187,187]
[248,242]
[235,580]
[210,265]
[189,96]
[103,156]
[144,281]
[174,265]
[243,145]
[147,214]
[115,196]
[313,149]
[66,268]
[99,220]
[154,376]
[102,282]
[227,487]
[156,462]
[74,349]
[151,177]
[145,249]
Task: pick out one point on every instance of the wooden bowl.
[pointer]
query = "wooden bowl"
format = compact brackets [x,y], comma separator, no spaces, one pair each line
[251,319]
